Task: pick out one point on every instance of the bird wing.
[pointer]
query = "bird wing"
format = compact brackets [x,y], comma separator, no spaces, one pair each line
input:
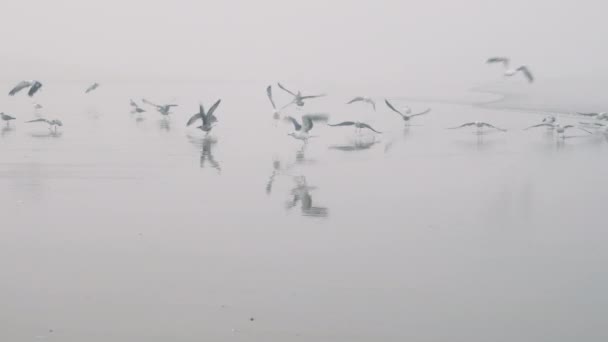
[587,114]
[21,85]
[389,105]
[307,124]
[312,96]
[526,72]
[210,115]
[356,99]
[364,125]
[91,88]
[38,120]
[35,87]
[170,105]
[421,113]
[294,122]
[345,123]
[199,115]
[492,126]
[317,117]
[269,93]
[463,125]
[287,90]
[503,60]
[150,103]
[540,125]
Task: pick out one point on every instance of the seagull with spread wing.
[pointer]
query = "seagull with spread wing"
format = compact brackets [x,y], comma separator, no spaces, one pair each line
[7,118]
[91,87]
[53,124]
[480,125]
[511,71]
[557,127]
[358,126]
[298,98]
[32,84]
[405,114]
[163,109]
[207,118]
[302,131]
[363,99]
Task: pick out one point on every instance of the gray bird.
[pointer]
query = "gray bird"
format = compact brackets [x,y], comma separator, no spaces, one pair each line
[363,99]
[7,118]
[302,131]
[53,124]
[558,128]
[511,71]
[358,125]
[298,98]
[208,118]
[276,115]
[91,88]
[480,125]
[32,84]
[163,109]
[407,116]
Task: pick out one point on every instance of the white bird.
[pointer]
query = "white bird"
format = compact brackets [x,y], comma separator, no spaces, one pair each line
[7,118]
[480,125]
[358,125]
[363,99]
[302,131]
[298,98]
[596,115]
[91,88]
[163,109]
[208,118]
[557,127]
[32,84]
[512,71]
[276,113]
[53,124]
[406,116]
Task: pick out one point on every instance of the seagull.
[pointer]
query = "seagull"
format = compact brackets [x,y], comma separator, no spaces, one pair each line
[557,127]
[163,109]
[301,131]
[301,193]
[298,98]
[208,118]
[274,107]
[405,116]
[91,88]
[511,71]
[136,108]
[6,118]
[480,125]
[358,125]
[363,99]
[53,124]
[598,115]
[33,85]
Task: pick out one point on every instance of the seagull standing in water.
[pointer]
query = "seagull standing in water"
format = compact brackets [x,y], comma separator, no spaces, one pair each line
[358,126]
[407,116]
[276,115]
[363,99]
[298,98]
[302,131]
[208,118]
[7,118]
[91,88]
[53,124]
[32,84]
[163,109]
[511,71]
[557,127]
[480,125]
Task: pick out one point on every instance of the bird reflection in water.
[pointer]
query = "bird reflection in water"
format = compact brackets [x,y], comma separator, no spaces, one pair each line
[6,130]
[357,144]
[50,134]
[206,145]
[301,193]
[164,124]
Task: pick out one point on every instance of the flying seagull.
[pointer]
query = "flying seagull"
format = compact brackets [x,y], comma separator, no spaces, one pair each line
[480,125]
[364,100]
[511,71]
[136,108]
[91,88]
[405,116]
[6,118]
[163,109]
[276,114]
[302,131]
[298,98]
[208,118]
[358,125]
[557,127]
[33,85]
[597,115]
[53,124]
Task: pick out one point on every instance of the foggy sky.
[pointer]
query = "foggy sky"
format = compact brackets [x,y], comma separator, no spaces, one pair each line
[313,39]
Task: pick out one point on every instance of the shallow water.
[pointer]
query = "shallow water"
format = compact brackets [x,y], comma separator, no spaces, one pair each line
[128,228]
